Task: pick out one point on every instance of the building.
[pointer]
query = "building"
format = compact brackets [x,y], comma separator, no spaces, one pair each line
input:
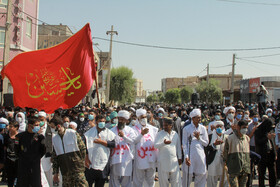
[23,31]
[140,94]
[250,87]
[169,83]
[102,74]
[51,35]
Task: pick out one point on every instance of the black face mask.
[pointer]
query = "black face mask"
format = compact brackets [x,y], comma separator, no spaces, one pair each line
[121,125]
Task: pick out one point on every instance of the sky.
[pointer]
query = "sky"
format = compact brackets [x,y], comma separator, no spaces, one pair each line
[194,24]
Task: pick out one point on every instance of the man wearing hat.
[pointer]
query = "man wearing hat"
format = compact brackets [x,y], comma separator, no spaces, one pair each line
[145,153]
[229,120]
[122,155]
[195,138]
[170,155]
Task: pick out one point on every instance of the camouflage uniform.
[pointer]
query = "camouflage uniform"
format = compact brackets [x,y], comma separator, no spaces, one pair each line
[73,178]
[238,180]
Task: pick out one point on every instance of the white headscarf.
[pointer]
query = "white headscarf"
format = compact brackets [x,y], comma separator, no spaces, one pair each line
[22,125]
[228,108]
[195,112]
[123,113]
[140,112]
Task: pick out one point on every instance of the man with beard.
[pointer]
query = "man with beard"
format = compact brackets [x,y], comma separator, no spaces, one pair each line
[122,154]
[145,156]
[99,141]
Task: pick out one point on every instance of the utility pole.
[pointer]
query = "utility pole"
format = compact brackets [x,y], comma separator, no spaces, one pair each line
[6,53]
[232,79]
[109,60]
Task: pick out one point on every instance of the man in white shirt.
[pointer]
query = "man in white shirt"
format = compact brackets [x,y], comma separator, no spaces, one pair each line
[122,154]
[99,141]
[195,138]
[145,154]
[170,156]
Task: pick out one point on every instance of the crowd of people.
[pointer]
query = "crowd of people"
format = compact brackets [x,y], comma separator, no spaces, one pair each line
[134,146]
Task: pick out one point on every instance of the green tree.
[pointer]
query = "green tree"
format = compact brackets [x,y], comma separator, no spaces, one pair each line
[186,93]
[152,98]
[122,85]
[210,93]
[172,96]
[161,97]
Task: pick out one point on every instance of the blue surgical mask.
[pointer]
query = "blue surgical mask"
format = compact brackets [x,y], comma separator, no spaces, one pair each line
[160,115]
[101,125]
[36,129]
[217,117]
[219,130]
[239,116]
[36,115]
[90,117]
[2,126]
[269,114]
[255,120]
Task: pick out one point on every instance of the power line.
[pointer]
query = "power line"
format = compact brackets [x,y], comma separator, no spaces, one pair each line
[262,56]
[187,49]
[201,71]
[252,3]
[258,62]
[259,69]
[54,26]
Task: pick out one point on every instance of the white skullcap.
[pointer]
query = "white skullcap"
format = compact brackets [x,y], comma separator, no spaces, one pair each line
[141,112]
[195,112]
[268,110]
[219,123]
[74,124]
[4,120]
[160,109]
[123,113]
[131,108]
[228,108]
[42,114]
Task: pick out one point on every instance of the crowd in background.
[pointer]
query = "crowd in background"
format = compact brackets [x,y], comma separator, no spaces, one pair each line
[140,144]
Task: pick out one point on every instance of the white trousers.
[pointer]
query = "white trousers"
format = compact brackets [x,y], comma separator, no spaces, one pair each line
[120,181]
[174,177]
[212,181]
[199,180]
[49,177]
[144,177]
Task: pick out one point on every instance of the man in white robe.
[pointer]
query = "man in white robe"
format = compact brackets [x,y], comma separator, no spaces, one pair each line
[195,138]
[145,153]
[170,155]
[215,168]
[122,155]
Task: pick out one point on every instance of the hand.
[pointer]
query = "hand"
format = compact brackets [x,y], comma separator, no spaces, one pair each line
[254,128]
[55,178]
[87,162]
[167,141]
[179,161]
[40,131]
[121,134]
[218,142]
[144,131]
[212,127]
[196,134]
[98,140]
[188,162]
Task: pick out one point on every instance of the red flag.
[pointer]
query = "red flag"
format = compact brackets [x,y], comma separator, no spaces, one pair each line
[57,77]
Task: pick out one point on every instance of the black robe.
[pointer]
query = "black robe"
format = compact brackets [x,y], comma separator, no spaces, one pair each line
[30,149]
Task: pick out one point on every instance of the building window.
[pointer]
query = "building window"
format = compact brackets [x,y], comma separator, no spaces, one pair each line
[29,27]
[4,2]
[2,36]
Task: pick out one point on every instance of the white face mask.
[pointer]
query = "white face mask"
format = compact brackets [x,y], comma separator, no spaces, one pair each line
[246,116]
[82,119]
[143,121]
[230,116]
[19,119]
[244,131]
[115,121]
[66,124]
